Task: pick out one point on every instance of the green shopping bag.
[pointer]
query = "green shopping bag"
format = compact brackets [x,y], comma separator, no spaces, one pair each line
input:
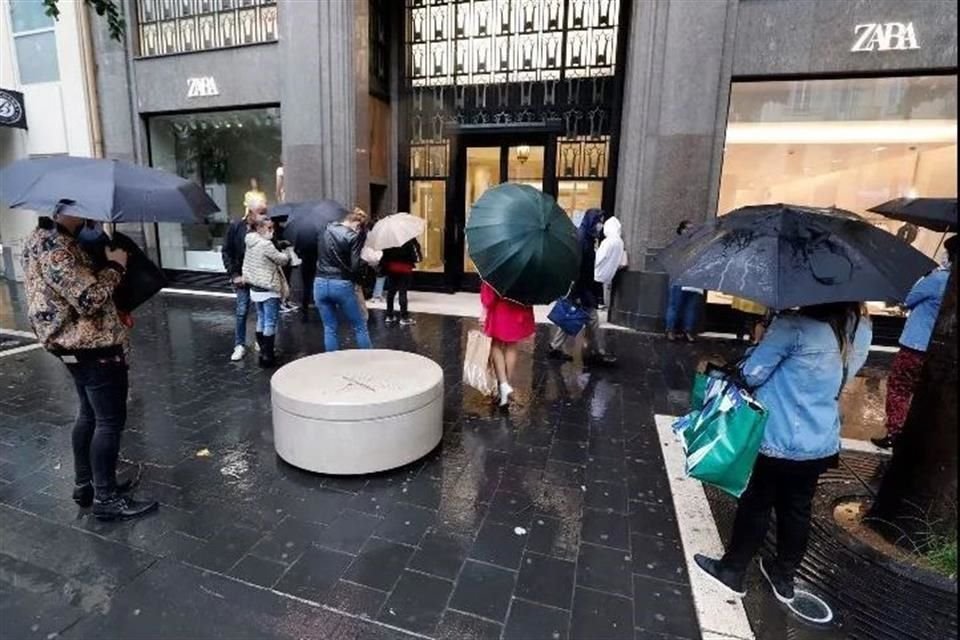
[699,391]
[722,440]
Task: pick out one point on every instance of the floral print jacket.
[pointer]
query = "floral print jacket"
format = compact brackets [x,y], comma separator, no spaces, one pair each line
[70,305]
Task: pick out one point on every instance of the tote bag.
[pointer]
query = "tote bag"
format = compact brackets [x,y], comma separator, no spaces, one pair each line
[721,441]
[477,372]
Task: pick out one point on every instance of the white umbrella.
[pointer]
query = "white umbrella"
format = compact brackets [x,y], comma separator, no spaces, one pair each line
[395,231]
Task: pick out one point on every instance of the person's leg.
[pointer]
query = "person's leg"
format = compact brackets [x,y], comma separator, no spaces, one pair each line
[107,394]
[308,271]
[690,304]
[594,342]
[241,308]
[793,507]
[901,384]
[674,298]
[752,520]
[271,313]
[498,358]
[83,430]
[346,297]
[510,359]
[391,296]
[361,303]
[558,339]
[403,286]
[378,287]
[327,308]
[261,317]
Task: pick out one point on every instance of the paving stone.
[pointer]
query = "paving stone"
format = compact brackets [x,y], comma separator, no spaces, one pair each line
[546,580]
[417,603]
[529,620]
[484,590]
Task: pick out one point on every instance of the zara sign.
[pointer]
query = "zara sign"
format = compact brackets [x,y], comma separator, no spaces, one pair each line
[202,87]
[885,36]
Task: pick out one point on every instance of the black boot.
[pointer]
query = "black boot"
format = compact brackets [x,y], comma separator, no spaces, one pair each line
[267,355]
[83,493]
[259,342]
[781,583]
[122,508]
[886,442]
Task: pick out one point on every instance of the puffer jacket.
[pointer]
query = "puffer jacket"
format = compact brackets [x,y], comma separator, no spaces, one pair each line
[610,253]
[339,253]
[262,264]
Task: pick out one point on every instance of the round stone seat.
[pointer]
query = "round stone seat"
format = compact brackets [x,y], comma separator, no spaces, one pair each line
[358,411]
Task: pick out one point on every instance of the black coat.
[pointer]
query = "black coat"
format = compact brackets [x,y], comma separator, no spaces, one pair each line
[234,248]
[409,253]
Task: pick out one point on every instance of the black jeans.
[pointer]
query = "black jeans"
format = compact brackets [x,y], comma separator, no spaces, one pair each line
[102,389]
[308,272]
[783,486]
[398,283]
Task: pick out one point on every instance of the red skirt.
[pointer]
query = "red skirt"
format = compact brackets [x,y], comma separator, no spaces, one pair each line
[507,321]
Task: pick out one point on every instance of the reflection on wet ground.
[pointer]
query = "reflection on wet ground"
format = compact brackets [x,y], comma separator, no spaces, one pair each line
[552,521]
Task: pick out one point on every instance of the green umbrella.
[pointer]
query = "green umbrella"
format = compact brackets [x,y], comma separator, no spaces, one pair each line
[523,244]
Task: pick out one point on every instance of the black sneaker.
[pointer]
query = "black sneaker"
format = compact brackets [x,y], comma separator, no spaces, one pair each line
[781,585]
[122,508]
[600,360]
[729,579]
[886,442]
[83,494]
[558,354]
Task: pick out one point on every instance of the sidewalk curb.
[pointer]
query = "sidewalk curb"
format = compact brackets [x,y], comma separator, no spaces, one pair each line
[719,616]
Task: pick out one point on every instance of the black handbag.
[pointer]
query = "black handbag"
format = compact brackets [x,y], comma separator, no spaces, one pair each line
[142,279]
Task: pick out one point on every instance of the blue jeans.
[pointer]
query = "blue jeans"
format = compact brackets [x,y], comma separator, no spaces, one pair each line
[241,309]
[333,295]
[267,313]
[683,308]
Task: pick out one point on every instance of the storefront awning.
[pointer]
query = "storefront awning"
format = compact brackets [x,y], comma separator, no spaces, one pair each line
[12,111]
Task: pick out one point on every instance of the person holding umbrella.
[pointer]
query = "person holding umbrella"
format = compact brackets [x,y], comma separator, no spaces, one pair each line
[797,371]
[396,235]
[71,309]
[923,303]
[507,323]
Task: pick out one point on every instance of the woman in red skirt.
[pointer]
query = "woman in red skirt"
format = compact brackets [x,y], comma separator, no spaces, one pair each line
[507,323]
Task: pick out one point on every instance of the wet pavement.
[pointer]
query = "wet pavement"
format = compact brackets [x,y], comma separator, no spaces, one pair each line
[553,521]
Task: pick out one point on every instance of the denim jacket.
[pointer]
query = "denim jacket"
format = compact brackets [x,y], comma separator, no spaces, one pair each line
[798,374]
[924,304]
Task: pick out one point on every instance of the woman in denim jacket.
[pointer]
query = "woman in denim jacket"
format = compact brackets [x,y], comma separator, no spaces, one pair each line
[798,371]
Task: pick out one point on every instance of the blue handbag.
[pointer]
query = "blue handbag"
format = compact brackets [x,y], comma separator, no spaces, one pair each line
[569,317]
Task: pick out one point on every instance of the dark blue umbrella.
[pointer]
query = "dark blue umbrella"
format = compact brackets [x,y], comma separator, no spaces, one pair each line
[105,190]
[938,214]
[785,256]
[305,220]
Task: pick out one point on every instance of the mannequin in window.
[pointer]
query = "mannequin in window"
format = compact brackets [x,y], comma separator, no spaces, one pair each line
[255,196]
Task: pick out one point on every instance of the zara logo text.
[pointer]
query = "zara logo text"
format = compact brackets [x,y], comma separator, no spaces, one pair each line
[202,87]
[890,36]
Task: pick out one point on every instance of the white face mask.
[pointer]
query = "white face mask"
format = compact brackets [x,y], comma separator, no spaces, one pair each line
[268,235]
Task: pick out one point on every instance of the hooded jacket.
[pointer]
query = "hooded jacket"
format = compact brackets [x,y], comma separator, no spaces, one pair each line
[261,265]
[610,252]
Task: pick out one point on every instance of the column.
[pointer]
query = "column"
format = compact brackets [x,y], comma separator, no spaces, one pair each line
[323,100]
[678,68]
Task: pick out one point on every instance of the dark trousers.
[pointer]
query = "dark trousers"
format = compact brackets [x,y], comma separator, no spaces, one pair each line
[308,273]
[102,390]
[781,486]
[398,284]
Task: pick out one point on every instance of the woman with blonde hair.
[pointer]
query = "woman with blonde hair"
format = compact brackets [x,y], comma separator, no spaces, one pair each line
[339,267]
[263,272]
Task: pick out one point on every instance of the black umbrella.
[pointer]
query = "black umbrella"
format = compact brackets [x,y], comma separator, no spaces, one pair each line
[105,190]
[785,256]
[305,220]
[938,214]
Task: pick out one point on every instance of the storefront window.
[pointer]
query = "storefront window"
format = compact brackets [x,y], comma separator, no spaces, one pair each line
[428,199]
[224,152]
[848,143]
[576,196]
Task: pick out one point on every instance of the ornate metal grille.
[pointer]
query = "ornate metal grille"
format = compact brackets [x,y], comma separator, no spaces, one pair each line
[378,32]
[182,26]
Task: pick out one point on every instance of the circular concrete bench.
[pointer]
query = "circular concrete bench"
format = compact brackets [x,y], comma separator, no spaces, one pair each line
[353,412]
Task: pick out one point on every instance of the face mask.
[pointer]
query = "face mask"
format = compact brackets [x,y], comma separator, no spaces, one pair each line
[268,235]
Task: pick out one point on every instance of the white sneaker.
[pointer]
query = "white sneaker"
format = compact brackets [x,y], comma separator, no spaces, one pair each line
[238,352]
[505,391]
